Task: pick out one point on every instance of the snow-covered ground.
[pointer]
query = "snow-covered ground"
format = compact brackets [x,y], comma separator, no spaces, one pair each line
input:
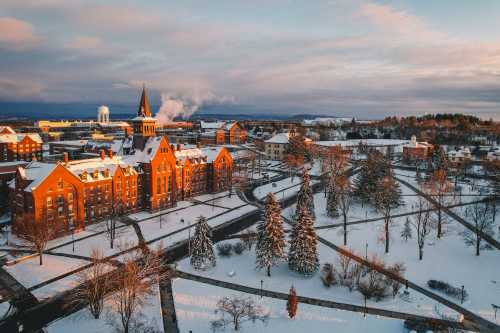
[283,189]
[83,322]
[282,278]
[195,304]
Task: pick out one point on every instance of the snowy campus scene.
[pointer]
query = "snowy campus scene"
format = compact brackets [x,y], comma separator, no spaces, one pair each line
[232,166]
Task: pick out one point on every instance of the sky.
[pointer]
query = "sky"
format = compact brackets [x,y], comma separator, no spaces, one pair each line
[338,58]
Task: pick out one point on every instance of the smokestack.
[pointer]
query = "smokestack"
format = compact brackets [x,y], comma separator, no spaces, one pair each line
[110,153]
[65,157]
[102,153]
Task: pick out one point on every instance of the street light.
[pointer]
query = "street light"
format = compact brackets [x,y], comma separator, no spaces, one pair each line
[189,237]
[366,252]
[261,287]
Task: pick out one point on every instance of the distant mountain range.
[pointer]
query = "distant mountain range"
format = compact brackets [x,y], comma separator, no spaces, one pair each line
[53,111]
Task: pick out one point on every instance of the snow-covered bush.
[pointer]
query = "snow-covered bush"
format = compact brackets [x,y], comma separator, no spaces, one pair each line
[239,247]
[448,289]
[224,249]
[328,275]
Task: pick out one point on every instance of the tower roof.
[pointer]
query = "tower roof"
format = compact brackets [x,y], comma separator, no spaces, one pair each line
[144,108]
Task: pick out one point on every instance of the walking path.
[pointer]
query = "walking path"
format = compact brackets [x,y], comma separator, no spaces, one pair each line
[492,241]
[437,323]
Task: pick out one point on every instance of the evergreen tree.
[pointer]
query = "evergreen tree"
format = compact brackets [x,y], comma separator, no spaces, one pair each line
[202,253]
[406,232]
[332,201]
[305,196]
[371,172]
[303,254]
[270,249]
[291,304]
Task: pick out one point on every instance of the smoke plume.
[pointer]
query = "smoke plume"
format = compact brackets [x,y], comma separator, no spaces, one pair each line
[184,106]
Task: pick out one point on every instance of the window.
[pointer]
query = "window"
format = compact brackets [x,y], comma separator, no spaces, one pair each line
[60,211]
[70,209]
[60,183]
[60,200]
[49,202]
[70,197]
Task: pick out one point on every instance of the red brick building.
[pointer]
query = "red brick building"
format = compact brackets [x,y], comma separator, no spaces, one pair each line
[151,174]
[19,146]
[223,133]
[415,150]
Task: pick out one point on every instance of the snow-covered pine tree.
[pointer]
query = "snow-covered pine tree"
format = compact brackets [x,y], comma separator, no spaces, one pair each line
[332,203]
[270,249]
[374,168]
[303,254]
[305,196]
[406,232]
[202,252]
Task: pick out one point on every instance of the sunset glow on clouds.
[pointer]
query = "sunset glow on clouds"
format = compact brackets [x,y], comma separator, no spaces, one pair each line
[336,57]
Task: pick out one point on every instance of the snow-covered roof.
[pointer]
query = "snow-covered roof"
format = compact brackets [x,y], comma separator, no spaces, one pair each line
[97,164]
[279,138]
[211,153]
[367,142]
[192,154]
[15,138]
[70,142]
[144,118]
[7,129]
[211,125]
[36,172]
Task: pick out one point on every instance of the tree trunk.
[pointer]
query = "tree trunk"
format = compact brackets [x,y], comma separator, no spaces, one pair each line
[345,230]
[439,221]
[41,258]
[420,253]
[478,242]
[269,270]
[387,236]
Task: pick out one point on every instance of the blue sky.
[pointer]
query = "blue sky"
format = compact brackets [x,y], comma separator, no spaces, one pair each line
[339,57]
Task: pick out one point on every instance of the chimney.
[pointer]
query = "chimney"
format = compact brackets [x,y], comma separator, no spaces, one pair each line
[110,153]
[172,147]
[102,153]
[179,147]
[65,157]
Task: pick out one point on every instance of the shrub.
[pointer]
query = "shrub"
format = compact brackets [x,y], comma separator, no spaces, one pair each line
[238,248]
[224,249]
[328,275]
[447,289]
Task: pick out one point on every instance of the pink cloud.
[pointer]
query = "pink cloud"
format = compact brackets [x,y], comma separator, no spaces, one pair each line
[85,43]
[17,34]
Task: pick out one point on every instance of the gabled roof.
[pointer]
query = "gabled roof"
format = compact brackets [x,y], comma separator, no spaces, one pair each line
[212,125]
[15,138]
[279,138]
[6,130]
[36,172]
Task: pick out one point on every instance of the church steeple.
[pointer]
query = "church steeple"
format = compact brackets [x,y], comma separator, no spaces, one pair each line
[144,108]
[144,123]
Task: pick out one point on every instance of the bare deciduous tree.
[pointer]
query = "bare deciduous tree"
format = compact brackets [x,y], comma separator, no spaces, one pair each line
[344,194]
[239,309]
[93,283]
[387,199]
[37,234]
[481,214]
[140,273]
[421,222]
[439,188]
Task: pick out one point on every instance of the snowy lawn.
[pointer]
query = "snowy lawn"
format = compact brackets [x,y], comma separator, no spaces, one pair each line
[448,259]
[195,304]
[83,321]
[30,273]
[282,278]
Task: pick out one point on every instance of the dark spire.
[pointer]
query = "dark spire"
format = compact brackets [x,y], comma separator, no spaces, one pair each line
[144,108]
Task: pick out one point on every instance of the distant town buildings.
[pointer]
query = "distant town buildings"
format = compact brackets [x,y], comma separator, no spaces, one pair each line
[220,133]
[19,146]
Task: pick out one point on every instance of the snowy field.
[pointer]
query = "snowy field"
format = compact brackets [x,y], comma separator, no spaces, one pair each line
[283,189]
[83,321]
[282,279]
[195,304]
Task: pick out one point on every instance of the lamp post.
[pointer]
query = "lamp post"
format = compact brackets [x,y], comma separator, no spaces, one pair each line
[261,287]
[462,298]
[366,251]
[189,237]
[160,220]
[73,238]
